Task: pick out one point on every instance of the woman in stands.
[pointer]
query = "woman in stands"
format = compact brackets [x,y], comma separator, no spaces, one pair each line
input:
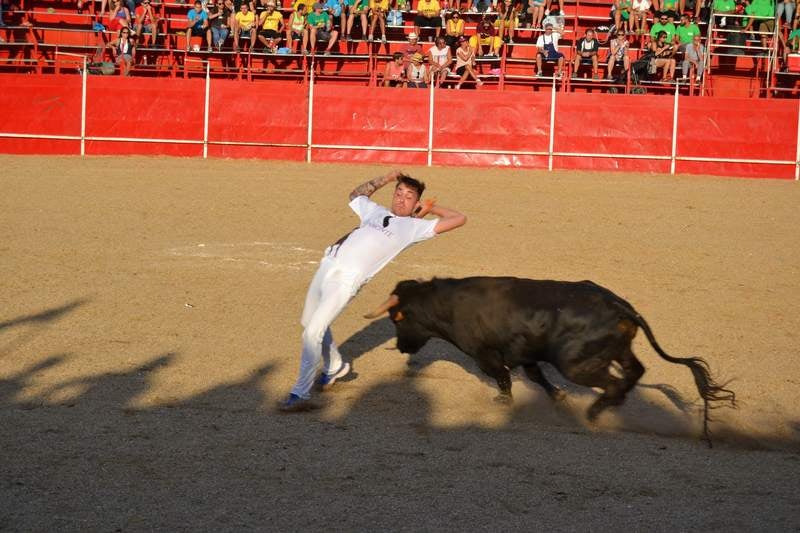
[454,29]
[506,21]
[296,29]
[465,62]
[378,9]
[417,73]
[618,54]
[394,73]
[119,17]
[665,55]
[124,50]
[439,59]
[536,10]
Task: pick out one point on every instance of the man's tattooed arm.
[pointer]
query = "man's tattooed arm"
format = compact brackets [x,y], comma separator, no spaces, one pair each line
[369,187]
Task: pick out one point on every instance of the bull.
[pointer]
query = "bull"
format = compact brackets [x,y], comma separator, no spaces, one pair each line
[580,328]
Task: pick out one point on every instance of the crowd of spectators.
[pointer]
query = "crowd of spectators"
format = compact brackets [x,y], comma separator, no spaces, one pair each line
[674,38]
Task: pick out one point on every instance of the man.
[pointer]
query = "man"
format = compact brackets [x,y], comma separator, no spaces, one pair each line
[586,51]
[197,25]
[664,25]
[245,26]
[685,33]
[271,25]
[351,262]
[146,22]
[428,16]
[320,29]
[694,56]
[547,49]
[762,15]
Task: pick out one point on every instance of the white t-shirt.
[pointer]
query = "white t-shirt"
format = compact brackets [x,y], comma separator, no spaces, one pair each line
[379,239]
[544,39]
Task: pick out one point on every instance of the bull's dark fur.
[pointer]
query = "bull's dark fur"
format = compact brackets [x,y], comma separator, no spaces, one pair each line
[578,327]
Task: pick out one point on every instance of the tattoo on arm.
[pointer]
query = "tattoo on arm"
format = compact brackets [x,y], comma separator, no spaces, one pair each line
[369,187]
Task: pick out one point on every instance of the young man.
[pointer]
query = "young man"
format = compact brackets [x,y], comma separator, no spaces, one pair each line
[351,262]
[271,22]
[586,50]
[197,25]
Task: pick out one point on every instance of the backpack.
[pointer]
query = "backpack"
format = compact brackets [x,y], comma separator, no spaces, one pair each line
[394,18]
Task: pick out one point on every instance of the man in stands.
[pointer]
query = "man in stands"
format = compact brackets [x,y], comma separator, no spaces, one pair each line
[378,10]
[428,16]
[146,22]
[694,57]
[547,45]
[684,34]
[486,37]
[197,24]
[245,23]
[586,51]
[271,22]
[663,24]
[321,29]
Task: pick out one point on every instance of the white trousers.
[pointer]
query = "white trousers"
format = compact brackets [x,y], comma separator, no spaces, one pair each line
[329,293]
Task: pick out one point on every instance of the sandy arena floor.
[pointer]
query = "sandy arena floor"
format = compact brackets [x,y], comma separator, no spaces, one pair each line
[149,323]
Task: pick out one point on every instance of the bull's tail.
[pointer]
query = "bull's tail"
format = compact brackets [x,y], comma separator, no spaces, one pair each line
[713,394]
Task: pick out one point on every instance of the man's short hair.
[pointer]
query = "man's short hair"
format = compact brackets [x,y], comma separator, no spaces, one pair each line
[411,183]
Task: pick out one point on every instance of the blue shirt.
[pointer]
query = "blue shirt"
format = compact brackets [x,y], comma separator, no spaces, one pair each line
[197,18]
[334,6]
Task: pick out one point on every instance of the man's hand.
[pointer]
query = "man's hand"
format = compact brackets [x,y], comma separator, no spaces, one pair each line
[424,207]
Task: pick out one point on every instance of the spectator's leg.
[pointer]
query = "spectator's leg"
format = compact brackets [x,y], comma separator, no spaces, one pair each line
[685,68]
[560,65]
[594,66]
[313,39]
[188,38]
[789,12]
[363,25]
[538,64]
[348,28]
[576,64]
[700,68]
[304,49]
[209,39]
[382,22]
[332,40]
[372,22]
[610,67]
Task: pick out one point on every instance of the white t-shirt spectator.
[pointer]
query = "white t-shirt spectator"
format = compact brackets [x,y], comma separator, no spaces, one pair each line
[378,240]
[545,39]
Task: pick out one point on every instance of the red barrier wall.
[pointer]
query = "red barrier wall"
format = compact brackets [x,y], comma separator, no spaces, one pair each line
[468,125]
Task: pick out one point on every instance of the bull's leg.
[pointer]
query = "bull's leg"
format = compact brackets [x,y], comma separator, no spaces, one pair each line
[492,366]
[617,388]
[535,374]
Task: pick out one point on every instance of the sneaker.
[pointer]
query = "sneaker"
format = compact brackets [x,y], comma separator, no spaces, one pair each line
[370,38]
[326,381]
[294,403]
[383,39]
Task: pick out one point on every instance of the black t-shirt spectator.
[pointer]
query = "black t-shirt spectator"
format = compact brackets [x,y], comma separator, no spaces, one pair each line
[221,20]
[588,45]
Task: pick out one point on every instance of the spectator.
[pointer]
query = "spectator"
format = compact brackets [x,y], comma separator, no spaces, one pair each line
[146,22]
[455,29]
[378,9]
[618,54]
[762,16]
[586,50]
[411,48]
[486,37]
[197,25]
[428,16]
[664,25]
[622,14]
[684,34]
[296,29]
[785,8]
[119,17]
[417,73]
[361,9]
[547,50]
[337,12]
[440,58]
[555,16]
[271,22]
[694,56]
[465,62]
[124,50]
[639,12]
[245,25]
[393,75]
[320,29]
[791,45]
[670,9]
[219,16]
[506,21]
[536,10]
[664,52]
[724,7]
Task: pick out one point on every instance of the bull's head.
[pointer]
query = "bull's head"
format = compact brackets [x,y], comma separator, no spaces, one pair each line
[406,310]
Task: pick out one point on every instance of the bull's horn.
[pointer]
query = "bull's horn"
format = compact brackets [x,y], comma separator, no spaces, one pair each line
[391,302]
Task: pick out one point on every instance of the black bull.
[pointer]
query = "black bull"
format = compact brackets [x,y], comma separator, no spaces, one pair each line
[580,328]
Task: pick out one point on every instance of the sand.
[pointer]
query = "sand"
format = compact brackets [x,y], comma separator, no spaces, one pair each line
[149,315]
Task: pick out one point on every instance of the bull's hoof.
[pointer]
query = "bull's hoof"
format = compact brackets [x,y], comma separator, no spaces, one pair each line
[594,411]
[504,399]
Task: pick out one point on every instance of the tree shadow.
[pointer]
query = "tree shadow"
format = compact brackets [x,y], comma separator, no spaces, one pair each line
[43,317]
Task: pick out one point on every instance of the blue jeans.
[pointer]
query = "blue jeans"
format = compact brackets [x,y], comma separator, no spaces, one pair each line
[219,35]
[785,8]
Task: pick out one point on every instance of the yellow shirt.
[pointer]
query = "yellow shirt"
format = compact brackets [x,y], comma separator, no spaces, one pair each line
[455,27]
[271,22]
[245,21]
[429,8]
[379,4]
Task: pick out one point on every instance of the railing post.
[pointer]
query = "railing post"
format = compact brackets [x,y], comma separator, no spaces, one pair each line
[552,125]
[310,112]
[430,123]
[83,108]
[205,110]
[674,131]
[797,153]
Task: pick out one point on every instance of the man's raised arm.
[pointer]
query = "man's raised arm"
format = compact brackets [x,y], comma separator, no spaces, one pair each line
[449,219]
[369,187]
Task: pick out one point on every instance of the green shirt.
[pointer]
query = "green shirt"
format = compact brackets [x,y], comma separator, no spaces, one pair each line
[658,28]
[724,6]
[762,8]
[687,33]
[318,21]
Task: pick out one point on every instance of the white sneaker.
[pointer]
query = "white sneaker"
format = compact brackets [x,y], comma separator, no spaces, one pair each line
[326,381]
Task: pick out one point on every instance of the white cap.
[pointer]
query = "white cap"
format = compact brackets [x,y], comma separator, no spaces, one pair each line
[412,35]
